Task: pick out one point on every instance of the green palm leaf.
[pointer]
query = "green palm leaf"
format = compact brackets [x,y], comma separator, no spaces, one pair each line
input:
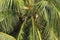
[4,36]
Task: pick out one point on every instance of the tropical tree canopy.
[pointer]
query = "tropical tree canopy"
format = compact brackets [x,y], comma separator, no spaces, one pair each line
[29,19]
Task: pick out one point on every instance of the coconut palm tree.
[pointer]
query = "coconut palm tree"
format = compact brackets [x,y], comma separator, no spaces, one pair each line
[29,20]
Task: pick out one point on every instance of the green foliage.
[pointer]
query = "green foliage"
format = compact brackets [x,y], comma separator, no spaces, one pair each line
[4,36]
[30,19]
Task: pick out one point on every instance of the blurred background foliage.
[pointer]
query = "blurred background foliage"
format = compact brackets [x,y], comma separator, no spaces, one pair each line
[30,19]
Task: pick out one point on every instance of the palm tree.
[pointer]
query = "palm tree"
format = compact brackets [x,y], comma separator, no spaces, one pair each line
[29,20]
